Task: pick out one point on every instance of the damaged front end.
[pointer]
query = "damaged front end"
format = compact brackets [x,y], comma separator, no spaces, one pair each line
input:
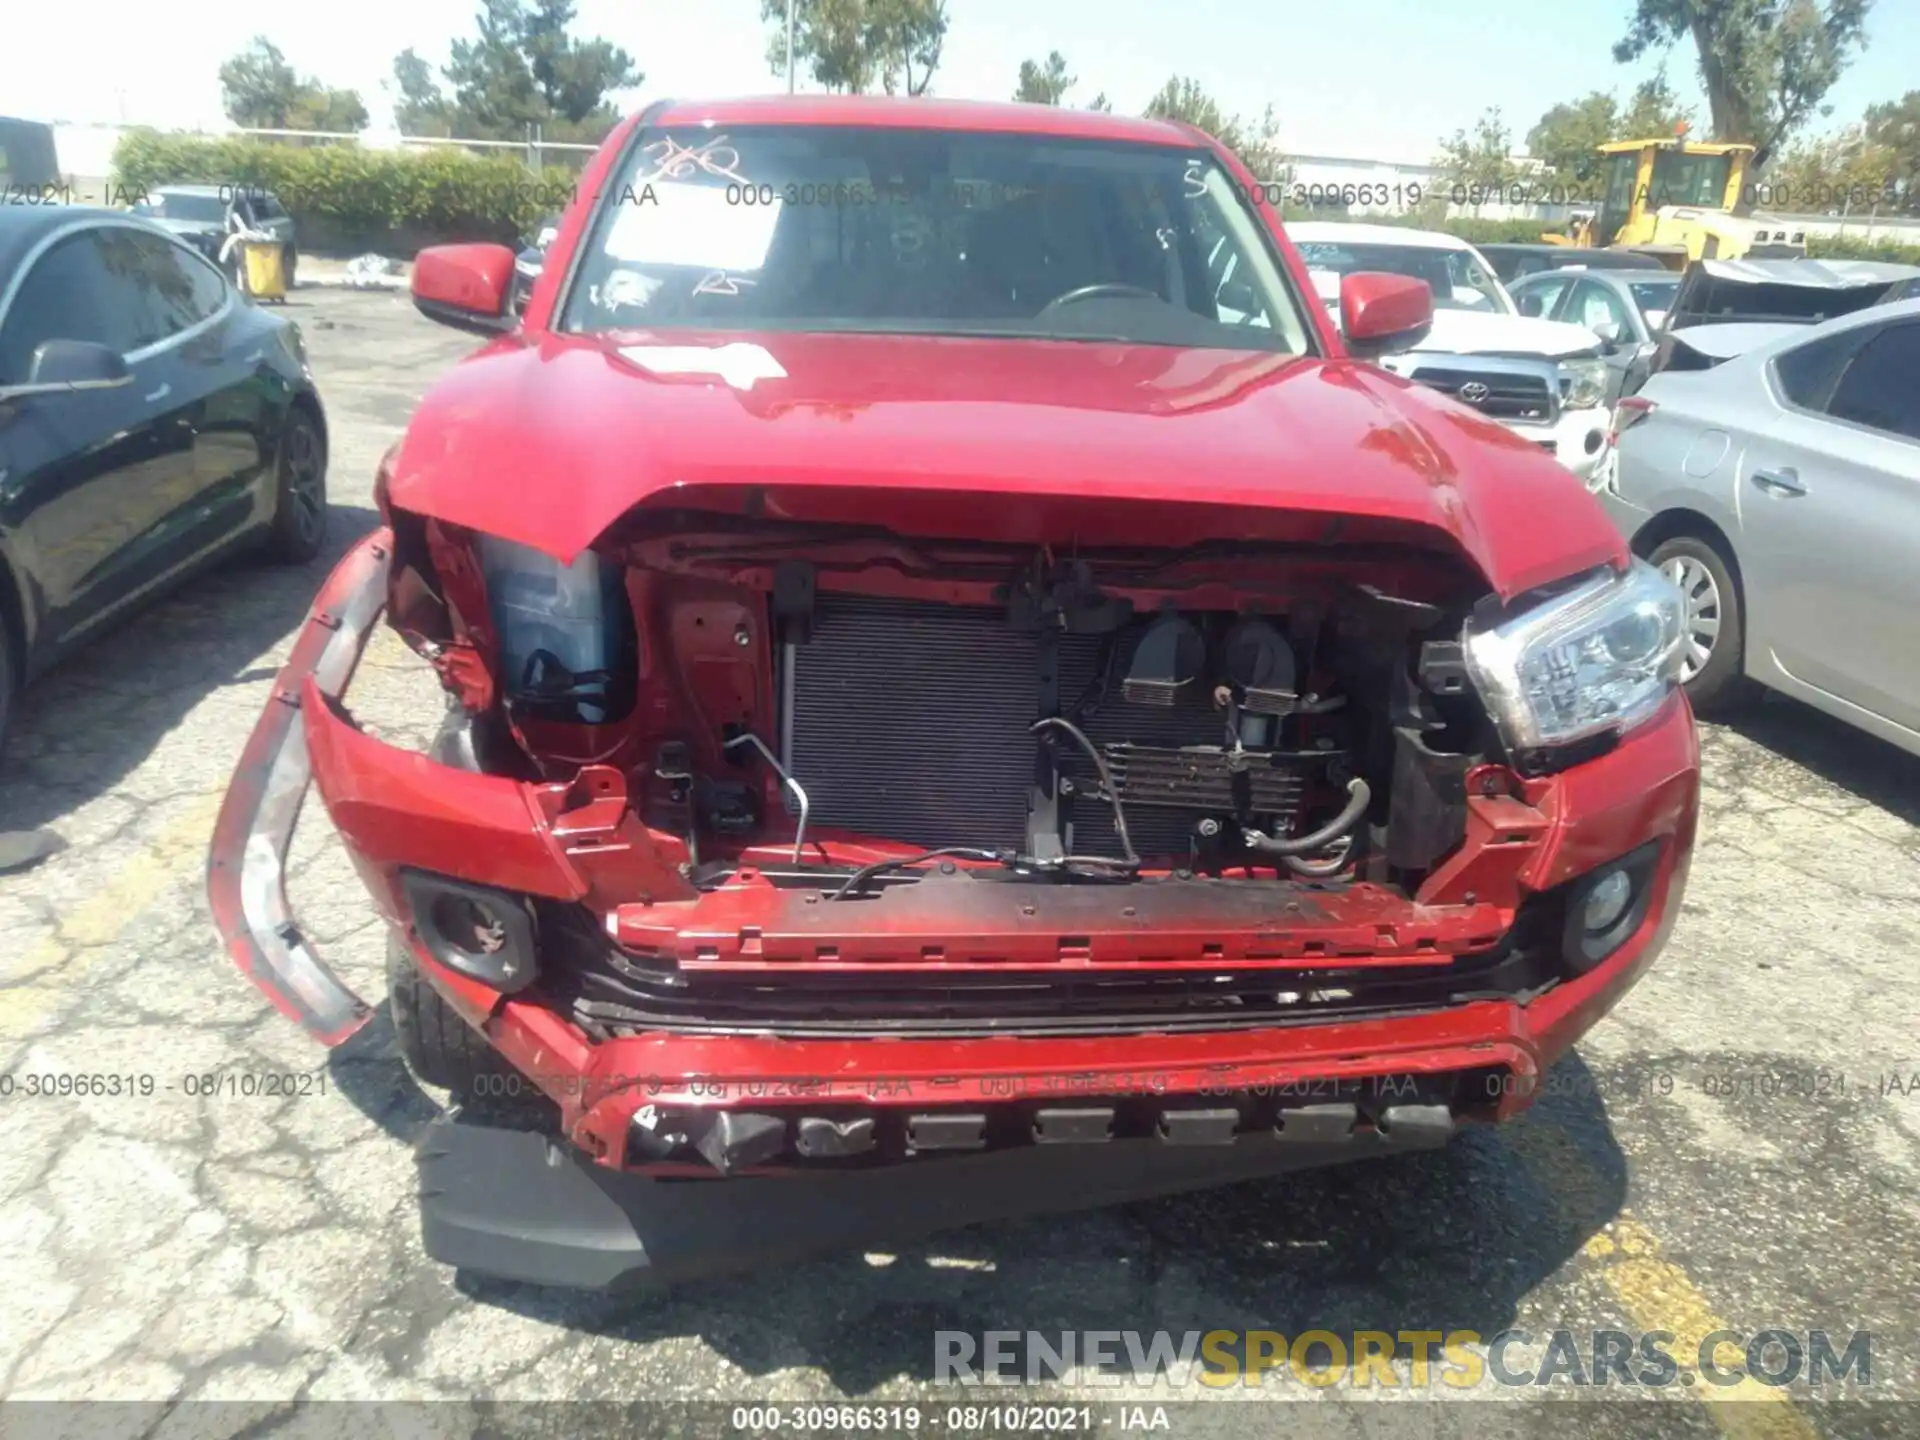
[908,878]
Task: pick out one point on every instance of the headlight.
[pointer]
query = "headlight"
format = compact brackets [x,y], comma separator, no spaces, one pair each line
[1587,383]
[1599,657]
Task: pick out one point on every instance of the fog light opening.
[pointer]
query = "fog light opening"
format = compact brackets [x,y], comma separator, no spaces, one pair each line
[1606,908]
[1607,902]
[470,925]
[480,932]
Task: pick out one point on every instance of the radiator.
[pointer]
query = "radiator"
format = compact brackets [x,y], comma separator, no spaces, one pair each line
[910,723]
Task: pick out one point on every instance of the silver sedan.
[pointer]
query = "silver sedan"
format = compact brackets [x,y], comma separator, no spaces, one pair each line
[1780,490]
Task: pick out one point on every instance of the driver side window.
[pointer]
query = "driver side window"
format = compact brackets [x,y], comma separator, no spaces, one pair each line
[1234,300]
[1878,388]
[1594,305]
[1539,297]
[63,297]
[1469,280]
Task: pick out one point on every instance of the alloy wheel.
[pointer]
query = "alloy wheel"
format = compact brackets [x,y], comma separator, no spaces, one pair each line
[1703,611]
[306,490]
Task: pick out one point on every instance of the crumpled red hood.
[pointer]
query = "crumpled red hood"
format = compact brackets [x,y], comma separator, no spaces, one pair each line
[550,439]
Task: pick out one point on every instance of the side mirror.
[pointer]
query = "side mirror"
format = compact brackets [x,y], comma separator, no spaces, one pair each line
[78,363]
[63,366]
[465,286]
[1609,334]
[1531,304]
[1237,295]
[1381,313]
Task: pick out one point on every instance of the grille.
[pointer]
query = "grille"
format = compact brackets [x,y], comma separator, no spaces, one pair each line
[910,722]
[1509,396]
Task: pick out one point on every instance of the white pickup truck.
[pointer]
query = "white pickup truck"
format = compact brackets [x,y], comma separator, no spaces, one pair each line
[1543,379]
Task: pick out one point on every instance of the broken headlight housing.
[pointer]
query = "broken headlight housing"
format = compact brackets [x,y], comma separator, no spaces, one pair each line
[1598,658]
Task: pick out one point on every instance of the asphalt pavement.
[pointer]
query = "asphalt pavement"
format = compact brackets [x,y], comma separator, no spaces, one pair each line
[1737,1147]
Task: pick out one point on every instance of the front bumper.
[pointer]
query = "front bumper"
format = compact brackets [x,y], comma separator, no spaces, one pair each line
[516,1205]
[246,868]
[580,843]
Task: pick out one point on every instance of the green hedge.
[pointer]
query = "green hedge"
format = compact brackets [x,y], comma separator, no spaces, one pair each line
[1853,247]
[342,196]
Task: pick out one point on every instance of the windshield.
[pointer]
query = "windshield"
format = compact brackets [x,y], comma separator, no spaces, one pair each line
[1681,179]
[210,208]
[1459,278]
[930,232]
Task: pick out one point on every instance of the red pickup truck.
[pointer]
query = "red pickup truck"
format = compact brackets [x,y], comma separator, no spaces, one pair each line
[956,708]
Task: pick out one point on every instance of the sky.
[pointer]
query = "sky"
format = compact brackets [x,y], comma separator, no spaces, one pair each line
[1382,79]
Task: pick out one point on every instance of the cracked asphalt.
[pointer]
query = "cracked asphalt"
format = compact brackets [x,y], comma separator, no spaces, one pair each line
[1737,1147]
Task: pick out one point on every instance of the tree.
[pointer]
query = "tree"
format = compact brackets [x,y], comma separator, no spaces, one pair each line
[914,35]
[1846,173]
[260,91]
[524,68]
[1255,142]
[1895,128]
[493,90]
[420,109]
[1101,103]
[1483,158]
[1765,64]
[328,109]
[1654,110]
[1044,84]
[852,46]
[258,88]
[1567,138]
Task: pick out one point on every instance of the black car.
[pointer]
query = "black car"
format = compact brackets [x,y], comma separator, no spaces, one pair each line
[152,420]
[531,260]
[205,215]
[1724,308]
[1511,262]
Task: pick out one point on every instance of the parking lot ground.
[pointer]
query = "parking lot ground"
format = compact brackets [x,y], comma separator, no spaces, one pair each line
[1737,1147]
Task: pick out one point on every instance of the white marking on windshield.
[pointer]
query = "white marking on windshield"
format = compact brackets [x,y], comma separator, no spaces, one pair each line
[693,225]
[673,161]
[719,282]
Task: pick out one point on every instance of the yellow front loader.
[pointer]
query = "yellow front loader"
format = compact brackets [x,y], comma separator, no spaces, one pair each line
[1674,199]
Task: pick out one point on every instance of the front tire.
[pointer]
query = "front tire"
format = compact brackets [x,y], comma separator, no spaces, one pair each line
[439,1047]
[299,529]
[1714,672]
